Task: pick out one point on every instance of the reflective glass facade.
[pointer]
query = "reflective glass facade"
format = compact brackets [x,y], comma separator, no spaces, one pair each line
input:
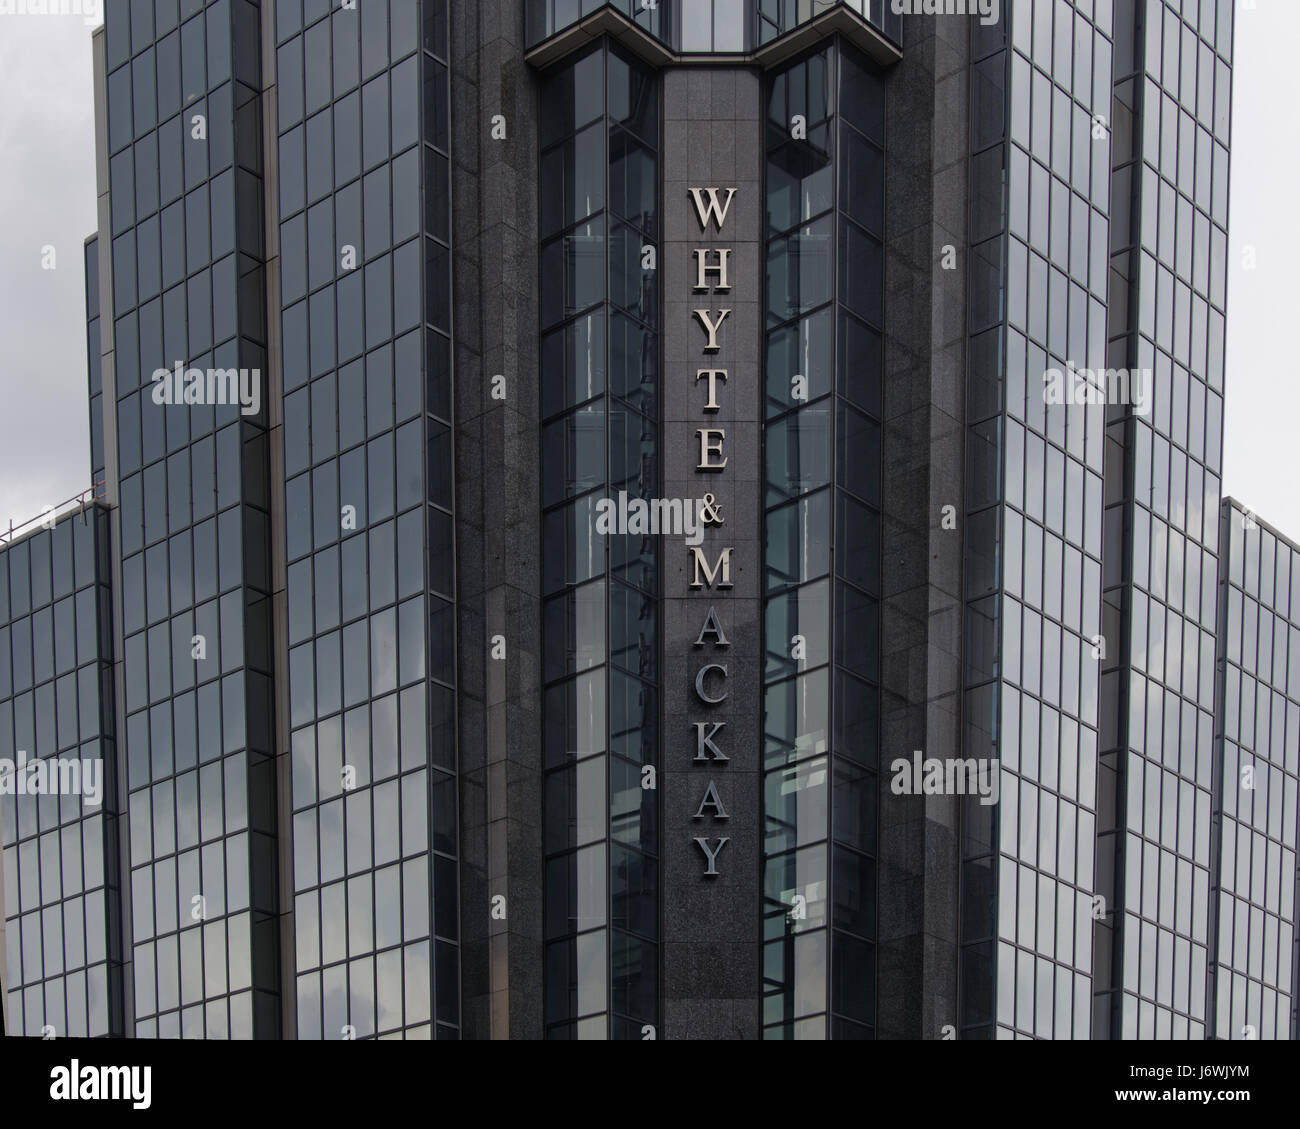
[369,673]
[1158,781]
[362,103]
[193,521]
[1253,931]
[822,494]
[599,139]
[707,26]
[94,367]
[61,883]
[1039,189]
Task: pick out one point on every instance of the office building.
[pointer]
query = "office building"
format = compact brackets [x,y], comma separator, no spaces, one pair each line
[693,519]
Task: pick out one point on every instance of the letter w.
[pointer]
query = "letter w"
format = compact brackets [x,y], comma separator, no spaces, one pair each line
[714,210]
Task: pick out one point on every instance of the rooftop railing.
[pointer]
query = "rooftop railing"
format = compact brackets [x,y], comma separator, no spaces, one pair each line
[49,517]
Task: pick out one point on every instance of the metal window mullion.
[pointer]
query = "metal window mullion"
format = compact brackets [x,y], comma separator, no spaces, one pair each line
[837,228]
[607,128]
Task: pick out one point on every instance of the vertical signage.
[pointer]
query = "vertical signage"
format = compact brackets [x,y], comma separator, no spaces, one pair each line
[710,565]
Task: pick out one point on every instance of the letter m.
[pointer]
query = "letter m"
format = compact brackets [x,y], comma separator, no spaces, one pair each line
[225,385]
[115,1081]
[713,210]
[666,516]
[722,565]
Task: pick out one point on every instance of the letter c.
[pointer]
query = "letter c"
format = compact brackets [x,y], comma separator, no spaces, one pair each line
[699,684]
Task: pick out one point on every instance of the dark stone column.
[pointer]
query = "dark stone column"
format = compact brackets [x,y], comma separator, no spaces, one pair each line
[924,403]
[711,953]
[494,243]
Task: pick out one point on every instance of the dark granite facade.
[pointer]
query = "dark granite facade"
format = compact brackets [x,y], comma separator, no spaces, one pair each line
[924,414]
[712,138]
[494,193]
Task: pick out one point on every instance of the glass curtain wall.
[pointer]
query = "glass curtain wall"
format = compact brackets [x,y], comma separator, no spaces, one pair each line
[707,26]
[825,279]
[545,18]
[600,409]
[184,133]
[1040,178]
[1169,266]
[94,367]
[776,17]
[363,124]
[63,940]
[985,400]
[1255,892]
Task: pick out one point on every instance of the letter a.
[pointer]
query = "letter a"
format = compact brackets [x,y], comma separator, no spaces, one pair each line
[711,800]
[712,627]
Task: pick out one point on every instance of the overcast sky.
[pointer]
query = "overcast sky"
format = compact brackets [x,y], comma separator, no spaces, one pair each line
[47,198]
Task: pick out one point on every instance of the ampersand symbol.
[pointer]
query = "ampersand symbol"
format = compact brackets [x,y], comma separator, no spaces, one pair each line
[710,511]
